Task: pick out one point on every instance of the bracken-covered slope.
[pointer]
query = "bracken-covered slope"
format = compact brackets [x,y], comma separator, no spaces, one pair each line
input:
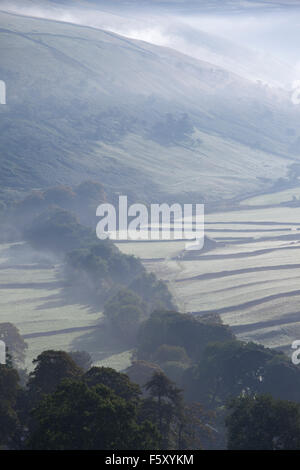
[85,103]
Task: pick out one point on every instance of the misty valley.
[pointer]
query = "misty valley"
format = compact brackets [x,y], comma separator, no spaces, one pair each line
[119,117]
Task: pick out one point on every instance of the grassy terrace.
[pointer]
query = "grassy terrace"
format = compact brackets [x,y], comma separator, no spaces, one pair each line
[34,299]
[251,278]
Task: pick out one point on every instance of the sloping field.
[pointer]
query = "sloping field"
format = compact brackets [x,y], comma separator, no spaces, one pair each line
[286,216]
[278,197]
[252,282]
[33,299]
[152,250]
[251,278]
[93,104]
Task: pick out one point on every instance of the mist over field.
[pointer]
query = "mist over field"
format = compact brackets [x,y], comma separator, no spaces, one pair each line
[256,39]
[155,342]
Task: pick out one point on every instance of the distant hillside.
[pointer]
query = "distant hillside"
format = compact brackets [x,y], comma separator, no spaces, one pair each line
[206,5]
[85,103]
[182,5]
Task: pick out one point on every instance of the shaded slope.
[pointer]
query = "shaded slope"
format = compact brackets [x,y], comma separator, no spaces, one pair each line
[83,102]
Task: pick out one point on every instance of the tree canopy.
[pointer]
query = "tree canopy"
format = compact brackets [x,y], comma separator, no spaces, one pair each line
[263,423]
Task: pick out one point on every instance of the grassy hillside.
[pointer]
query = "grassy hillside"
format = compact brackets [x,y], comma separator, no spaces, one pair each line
[181,5]
[48,311]
[250,278]
[83,102]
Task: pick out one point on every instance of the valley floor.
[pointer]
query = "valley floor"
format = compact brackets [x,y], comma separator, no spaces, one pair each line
[250,277]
